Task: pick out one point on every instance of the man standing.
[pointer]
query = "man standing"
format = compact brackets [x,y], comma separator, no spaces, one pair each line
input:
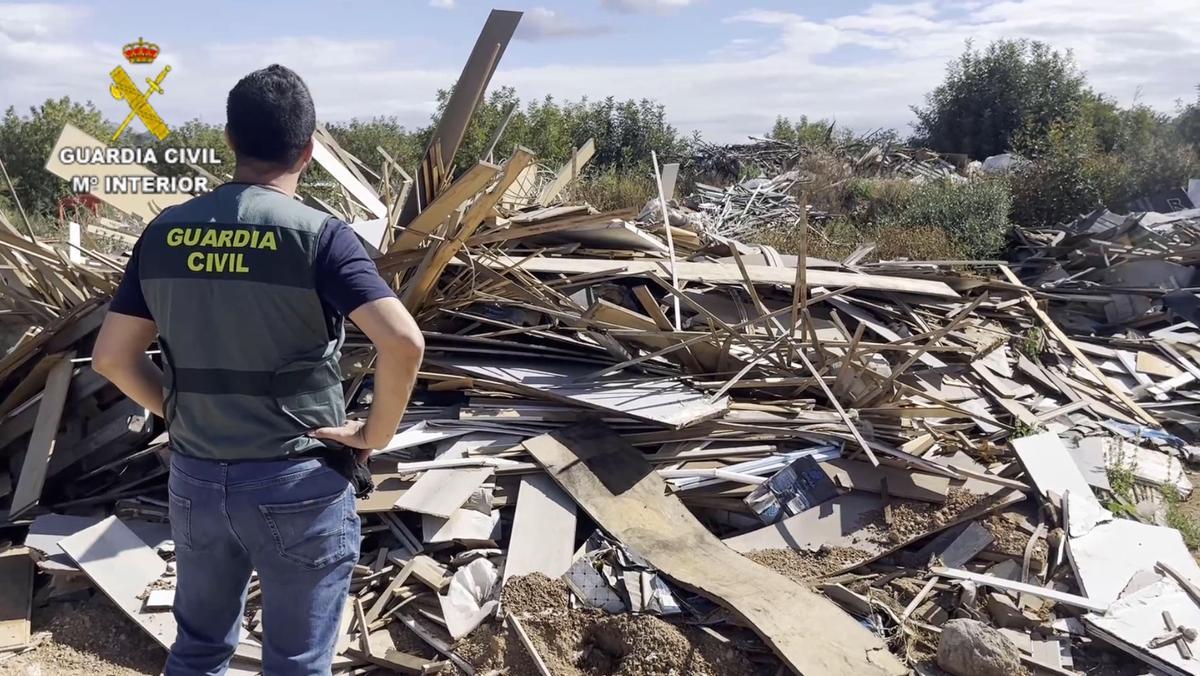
[246,290]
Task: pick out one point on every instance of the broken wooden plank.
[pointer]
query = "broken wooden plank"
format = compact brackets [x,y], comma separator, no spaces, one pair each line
[568,173]
[617,488]
[363,193]
[41,440]
[519,630]
[974,539]
[846,522]
[1079,356]
[466,187]
[543,530]
[464,99]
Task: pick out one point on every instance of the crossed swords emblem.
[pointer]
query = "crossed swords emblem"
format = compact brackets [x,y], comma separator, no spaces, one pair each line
[123,87]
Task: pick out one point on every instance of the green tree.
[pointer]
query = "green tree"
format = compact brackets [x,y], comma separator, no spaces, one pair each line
[26,142]
[1067,176]
[362,138]
[1187,124]
[813,134]
[989,97]
[625,131]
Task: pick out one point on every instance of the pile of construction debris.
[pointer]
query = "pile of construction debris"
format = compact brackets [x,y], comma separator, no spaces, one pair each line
[640,446]
[873,155]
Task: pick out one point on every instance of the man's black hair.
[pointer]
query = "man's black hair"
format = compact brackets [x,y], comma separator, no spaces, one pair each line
[271,116]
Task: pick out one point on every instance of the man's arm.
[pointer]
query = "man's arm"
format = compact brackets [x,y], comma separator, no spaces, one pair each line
[120,356]
[349,285]
[399,347]
[120,350]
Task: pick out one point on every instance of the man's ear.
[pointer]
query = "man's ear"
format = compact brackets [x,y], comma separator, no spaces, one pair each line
[306,155]
[229,140]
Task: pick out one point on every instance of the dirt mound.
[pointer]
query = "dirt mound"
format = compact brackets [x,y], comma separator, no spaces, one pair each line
[804,566]
[585,642]
[87,639]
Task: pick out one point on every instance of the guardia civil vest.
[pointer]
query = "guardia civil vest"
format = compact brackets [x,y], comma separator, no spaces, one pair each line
[250,358]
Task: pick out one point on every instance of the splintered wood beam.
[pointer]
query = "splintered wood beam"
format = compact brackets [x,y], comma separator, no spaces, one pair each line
[467,186]
[858,438]
[464,99]
[1130,404]
[420,286]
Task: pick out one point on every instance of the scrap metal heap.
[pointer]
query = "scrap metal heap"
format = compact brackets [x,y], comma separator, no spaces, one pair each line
[627,428]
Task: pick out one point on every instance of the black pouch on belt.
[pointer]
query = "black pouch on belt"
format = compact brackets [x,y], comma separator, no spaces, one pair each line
[344,460]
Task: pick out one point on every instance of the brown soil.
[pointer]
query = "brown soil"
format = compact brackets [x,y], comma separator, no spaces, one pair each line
[93,638]
[1011,540]
[533,594]
[913,519]
[585,642]
[804,566]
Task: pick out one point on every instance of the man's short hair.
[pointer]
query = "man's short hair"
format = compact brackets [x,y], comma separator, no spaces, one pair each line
[270,116]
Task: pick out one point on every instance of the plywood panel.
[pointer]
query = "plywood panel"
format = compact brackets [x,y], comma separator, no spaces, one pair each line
[440,492]
[41,440]
[543,531]
[122,566]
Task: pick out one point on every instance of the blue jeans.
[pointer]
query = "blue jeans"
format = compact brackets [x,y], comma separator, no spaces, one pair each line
[293,521]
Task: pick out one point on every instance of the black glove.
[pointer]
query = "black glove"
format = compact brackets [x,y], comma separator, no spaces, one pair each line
[344,460]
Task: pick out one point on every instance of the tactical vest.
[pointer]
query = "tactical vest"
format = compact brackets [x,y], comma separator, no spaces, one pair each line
[250,357]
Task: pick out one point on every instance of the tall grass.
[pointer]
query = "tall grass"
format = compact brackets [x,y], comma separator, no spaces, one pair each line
[610,189]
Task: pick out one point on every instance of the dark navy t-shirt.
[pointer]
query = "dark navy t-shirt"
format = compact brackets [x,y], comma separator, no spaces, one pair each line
[346,276]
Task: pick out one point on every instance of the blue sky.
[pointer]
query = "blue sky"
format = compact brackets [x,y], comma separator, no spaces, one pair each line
[722,67]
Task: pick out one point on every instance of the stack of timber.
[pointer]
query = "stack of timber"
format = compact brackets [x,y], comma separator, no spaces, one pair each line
[630,429]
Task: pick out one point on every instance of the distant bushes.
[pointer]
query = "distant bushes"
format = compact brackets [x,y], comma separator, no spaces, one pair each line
[973,215]
[1071,172]
[935,219]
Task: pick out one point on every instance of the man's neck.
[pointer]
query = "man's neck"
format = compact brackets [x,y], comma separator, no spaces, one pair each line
[284,182]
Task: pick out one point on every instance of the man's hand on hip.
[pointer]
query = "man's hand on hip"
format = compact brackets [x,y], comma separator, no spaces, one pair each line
[352,433]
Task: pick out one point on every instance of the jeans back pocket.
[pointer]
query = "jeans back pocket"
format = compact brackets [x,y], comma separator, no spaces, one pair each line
[311,533]
[179,513]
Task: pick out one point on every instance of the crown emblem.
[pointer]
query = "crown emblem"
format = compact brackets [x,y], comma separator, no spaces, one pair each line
[140,51]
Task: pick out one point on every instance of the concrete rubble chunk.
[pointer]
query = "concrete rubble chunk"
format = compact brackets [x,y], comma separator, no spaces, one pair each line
[972,648]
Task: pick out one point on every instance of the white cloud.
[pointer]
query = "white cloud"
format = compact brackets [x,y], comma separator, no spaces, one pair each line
[864,68]
[443,4]
[645,6]
[540,23]
[23,21]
